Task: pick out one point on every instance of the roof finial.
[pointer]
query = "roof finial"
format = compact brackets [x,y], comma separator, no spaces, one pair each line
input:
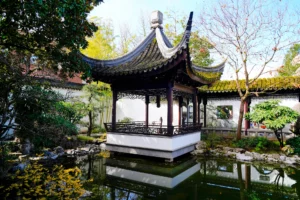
[156,19]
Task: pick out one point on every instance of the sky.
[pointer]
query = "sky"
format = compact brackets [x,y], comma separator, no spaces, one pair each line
[128,12]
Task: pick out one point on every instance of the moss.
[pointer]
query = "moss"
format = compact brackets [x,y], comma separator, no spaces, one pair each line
[262,84]
[209,76]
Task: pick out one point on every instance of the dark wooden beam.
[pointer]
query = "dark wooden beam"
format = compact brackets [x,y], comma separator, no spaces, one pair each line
[183,88]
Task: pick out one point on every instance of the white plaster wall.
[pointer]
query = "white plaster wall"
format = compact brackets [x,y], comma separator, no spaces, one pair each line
[162,181]
[153,142]
[135,109]
[286,100]
[68,92]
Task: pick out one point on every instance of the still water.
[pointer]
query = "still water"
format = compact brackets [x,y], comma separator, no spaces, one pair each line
[128,178]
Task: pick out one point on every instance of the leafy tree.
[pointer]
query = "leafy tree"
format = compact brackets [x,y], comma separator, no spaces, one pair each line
[51,32]
[289,68]
[43,118]
[92,107]
[274,116]
[101,44]
[199,46]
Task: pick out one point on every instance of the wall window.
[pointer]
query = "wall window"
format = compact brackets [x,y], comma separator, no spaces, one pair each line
[224,112]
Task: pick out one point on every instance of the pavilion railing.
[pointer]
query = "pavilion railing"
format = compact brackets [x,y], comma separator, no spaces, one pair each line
[141,128]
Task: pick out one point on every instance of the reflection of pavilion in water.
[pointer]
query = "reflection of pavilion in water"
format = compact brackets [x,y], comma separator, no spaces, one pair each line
[192,180]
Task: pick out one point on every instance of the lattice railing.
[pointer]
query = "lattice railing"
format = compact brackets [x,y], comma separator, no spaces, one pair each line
[141,128]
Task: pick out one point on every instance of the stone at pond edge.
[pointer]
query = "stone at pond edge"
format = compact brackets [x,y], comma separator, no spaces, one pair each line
[287,149]
[201,145]
[243,157]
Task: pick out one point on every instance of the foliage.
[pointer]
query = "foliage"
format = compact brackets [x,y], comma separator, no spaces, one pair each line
[289,68]
[92,107]
[296,128]
[42,116]
[98,129]
[101,44]
[295,143]
[212,139]
[53,31]
[126,120]
[85,138]
[274,116]
[199,46]
[257,143]
[40,183]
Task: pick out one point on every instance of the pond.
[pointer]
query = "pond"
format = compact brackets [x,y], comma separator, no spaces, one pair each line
[122,177]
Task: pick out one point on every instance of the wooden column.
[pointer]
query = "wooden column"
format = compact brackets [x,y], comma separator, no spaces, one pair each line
[199,110]
[195,107]
[147,101]
[187,111]
[246,110]
[114,109]
[180,101]
[204,110]
[170,109]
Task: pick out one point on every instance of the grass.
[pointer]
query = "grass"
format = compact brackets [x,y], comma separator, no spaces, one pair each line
[85,138]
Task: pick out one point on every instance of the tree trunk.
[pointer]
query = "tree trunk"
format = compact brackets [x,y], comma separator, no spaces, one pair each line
[240,121]
[90,124]
[279,138]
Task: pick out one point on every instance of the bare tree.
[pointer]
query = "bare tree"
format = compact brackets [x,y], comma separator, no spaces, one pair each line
[144,21]
[250,33]
[128,40]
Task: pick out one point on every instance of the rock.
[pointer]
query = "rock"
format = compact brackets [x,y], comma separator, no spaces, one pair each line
[287,149]
[243,157]
[219,146]
[289,161]
[70,151]
[87,149]
[282,158]
[239,150]
[248,153]
[59,150]
[257,156]
[50,154]
[275,156]
[226,149]
[23,158]
[83,130]
[199,152]
[201,145]
[20,167]
[103,146]
[270,159]
[231,154]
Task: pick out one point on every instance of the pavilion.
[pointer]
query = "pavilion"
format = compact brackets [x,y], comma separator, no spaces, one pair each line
[153,71]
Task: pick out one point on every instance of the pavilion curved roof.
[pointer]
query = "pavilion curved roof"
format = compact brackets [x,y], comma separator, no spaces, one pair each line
[154,55]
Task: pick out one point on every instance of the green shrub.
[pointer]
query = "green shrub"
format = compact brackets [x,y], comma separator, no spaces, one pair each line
[212,139]
[295,143]
[255,143]
[98,129]
[126,120]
